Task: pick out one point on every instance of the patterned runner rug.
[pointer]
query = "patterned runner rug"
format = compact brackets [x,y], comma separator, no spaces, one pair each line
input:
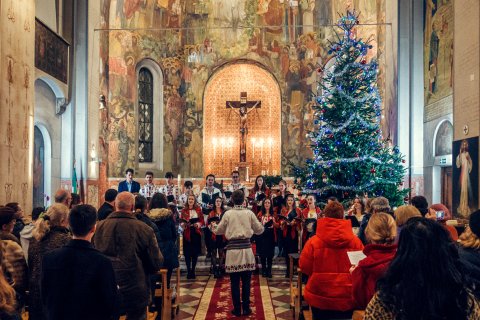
[216,302]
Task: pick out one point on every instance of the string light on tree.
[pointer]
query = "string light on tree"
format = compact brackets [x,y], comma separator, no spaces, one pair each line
[350,157]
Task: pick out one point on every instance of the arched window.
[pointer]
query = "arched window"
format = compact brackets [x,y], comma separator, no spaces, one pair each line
[145,116]
[149,112]
[38,168]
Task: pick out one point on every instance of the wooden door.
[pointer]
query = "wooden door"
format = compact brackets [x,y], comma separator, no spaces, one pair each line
[447,187]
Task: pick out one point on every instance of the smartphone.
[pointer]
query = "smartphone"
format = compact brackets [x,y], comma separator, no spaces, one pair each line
[440,215]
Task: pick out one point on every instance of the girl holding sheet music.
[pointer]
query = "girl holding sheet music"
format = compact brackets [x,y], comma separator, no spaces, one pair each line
[291,217]
[310,215]
[217,241]
[259,192]
[191,220]
[266,241]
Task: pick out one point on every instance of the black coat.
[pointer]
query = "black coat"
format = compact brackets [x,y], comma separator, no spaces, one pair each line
[470,259]
[104,211]
[166,237]
[78,282]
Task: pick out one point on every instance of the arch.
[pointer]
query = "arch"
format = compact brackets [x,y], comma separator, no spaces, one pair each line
[437,144]
[158,113]
[47,164]
[221,137]
[61,101]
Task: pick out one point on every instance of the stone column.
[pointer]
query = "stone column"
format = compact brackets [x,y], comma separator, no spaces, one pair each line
[17,72]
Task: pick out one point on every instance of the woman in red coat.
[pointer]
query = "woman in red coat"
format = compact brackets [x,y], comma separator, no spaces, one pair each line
[380,232]
[192,222]
[325,261]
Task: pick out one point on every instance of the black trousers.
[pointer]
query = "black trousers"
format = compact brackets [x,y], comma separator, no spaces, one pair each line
[266,263]
[235,278]
[318,314]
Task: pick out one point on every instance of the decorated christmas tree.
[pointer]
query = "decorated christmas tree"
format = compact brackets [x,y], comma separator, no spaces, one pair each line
[350,157]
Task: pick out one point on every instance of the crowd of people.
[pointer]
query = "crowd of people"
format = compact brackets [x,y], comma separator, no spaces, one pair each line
[70,261]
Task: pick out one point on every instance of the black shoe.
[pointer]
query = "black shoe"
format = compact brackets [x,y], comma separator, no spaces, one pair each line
[269,275]
[247,312]
[236,313]
[189,275]
[264,273]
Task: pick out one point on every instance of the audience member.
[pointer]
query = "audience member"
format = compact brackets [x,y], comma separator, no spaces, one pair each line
[109,205]
[402,214]
[167,236]
[13,262]
[325,261]
[7,222]
[64,197]
[380,250]
[77,280]
[50,233]
[421,203]
[425,280]
[140,209]
[27,232]
[76,200]
[8,310]
[19,216]
[132,248]
[379,204]
[469,251]
[442,214]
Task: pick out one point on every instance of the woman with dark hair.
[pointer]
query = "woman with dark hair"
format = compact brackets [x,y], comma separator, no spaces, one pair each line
[218,241]
[310,215]
[425,280]
[19,215]
[325,261]
[192,222]
[163,219]
[76,200]
[290,225]
[140,213]
[259,192]
[266,241]
[357,209]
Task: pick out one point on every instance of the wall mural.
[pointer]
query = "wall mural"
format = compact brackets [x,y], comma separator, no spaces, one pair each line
[438,49]
[189,39]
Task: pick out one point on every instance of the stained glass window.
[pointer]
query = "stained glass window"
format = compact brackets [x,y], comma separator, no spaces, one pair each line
[145,115]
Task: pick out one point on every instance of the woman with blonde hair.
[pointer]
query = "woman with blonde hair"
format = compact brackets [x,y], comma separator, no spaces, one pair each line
[402,214]
[50,233]
[380,250]
[469,250]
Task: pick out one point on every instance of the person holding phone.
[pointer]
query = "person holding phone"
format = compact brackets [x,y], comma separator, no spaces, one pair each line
[442,214]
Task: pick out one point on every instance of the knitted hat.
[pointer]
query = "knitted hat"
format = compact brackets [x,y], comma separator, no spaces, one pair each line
[474,223]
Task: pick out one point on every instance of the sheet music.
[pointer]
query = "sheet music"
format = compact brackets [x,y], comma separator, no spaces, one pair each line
[355,257]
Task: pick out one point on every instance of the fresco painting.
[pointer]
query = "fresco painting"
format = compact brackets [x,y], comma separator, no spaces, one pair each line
[190,39]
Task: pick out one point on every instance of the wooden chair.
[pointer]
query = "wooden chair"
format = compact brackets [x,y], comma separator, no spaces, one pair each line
[293,286]
[165,294]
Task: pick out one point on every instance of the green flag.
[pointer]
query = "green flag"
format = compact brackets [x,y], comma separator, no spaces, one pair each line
[74,179]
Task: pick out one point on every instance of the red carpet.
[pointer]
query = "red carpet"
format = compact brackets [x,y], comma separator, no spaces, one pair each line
[218,296]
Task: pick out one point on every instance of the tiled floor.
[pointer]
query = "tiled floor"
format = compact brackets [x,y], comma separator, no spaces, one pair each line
[192,291]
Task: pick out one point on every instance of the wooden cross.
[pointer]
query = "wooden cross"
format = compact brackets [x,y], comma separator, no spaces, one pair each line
[244,108]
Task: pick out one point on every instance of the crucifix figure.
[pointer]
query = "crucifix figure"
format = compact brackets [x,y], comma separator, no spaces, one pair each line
[244,108]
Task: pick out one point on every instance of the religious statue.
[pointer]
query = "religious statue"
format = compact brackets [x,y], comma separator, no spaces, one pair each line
[244,108]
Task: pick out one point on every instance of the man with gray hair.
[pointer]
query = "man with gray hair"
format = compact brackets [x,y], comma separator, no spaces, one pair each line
[378,204]
[132,248]
[63,196]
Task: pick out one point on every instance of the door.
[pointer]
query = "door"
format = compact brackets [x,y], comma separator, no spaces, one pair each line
[447,187]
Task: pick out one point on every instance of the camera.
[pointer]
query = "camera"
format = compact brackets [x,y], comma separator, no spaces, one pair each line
[440,215]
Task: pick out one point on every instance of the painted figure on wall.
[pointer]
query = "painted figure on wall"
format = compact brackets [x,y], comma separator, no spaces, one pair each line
[464,163]
[444,138]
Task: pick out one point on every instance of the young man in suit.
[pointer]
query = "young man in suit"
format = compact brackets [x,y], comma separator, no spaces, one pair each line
[129,184]
[109,205]
[78,281]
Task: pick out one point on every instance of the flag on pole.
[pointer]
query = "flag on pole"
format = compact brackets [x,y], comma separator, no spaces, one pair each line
[74,179]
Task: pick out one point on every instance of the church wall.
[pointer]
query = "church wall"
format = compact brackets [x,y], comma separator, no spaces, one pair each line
[189,56]
[17,27]
[45,11]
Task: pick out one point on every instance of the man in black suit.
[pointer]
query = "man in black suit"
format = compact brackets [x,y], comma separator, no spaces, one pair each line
[109,205]
[129,184]
[77,281]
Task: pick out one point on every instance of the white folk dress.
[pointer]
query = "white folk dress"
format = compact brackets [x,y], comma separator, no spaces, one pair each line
[237,224]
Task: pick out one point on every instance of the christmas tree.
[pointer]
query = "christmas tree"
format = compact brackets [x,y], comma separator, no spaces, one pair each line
[350,157]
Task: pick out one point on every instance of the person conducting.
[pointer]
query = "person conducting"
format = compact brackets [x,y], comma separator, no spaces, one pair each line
[239,225]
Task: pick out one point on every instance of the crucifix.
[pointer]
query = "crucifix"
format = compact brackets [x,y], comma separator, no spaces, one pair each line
[244,108]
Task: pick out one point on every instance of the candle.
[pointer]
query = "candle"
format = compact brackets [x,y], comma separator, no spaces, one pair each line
[178,182]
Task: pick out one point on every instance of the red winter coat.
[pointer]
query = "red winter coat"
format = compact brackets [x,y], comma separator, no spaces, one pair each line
[324,259]
[369,270]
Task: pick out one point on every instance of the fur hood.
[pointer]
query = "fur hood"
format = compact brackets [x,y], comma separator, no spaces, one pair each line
[159,214]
